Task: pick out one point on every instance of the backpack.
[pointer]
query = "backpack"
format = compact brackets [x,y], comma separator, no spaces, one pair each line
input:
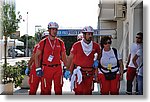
[116,55]
[111,75]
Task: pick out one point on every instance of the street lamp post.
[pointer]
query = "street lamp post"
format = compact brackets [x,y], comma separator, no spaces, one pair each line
[27,37]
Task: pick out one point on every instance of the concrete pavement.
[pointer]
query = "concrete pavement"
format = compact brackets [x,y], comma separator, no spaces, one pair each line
[66,85]
[67,91]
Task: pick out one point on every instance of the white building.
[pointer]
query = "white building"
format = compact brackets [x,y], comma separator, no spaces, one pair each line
[125,18]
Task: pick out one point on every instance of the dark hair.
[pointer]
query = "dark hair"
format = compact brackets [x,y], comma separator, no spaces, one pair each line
[84,33]
[140,34]
[44,37]
[104,39]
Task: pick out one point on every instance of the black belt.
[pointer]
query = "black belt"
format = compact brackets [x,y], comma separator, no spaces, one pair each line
[52,65]
[107,68]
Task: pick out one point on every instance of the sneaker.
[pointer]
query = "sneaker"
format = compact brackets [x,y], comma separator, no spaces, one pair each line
[128,93]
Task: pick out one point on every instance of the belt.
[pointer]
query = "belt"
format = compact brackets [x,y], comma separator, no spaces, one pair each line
[107,69]
[85,72]
[52,65]
[81,66]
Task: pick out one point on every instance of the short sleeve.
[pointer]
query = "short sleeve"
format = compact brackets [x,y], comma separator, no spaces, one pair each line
[139,52]
[40,45]
[98,48]
[119,55]
[63,47]
[132,49]
[35,48]
[73,49]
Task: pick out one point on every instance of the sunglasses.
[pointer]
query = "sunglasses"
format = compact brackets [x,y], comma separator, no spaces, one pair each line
[138,37]
[108,42]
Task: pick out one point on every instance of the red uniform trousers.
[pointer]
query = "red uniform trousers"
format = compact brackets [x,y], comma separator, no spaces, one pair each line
[34,81]
[109,86]
[85,87]
[52,73]
[131,73]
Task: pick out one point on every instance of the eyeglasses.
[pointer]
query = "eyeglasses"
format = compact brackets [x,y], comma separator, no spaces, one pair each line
[138,37]
[108,42]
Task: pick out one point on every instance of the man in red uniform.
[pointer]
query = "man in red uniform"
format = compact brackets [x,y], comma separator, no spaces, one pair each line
[82,55]
[34,80]
[79,38]
[52,51]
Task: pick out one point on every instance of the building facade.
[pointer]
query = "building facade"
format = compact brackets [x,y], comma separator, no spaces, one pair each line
[124,18]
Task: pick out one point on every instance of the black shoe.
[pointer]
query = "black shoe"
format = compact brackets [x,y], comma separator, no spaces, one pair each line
[128,93]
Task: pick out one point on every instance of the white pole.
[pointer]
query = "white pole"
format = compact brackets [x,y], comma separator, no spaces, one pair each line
[27,37]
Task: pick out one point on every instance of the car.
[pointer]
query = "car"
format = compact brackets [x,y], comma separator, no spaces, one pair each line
[17,53]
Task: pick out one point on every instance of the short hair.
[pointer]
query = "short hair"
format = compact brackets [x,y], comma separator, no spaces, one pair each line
[104,39]
[140,34]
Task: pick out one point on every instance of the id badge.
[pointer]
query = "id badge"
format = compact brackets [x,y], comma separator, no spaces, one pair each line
[50,58]
[109,66]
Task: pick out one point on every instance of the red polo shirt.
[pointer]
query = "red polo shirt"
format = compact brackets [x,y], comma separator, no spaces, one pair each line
[53,48]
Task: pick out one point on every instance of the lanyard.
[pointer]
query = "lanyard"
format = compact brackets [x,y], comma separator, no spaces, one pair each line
[52,46]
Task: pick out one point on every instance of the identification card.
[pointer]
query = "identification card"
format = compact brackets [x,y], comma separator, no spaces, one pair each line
[109,66]
[50,58]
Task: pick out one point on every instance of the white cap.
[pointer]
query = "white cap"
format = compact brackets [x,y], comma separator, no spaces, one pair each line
[80,36]
[45,34]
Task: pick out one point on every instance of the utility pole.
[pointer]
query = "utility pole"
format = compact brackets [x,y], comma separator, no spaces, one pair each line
[27,37]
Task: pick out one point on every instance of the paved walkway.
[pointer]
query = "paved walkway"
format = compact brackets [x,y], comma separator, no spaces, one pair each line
[67,91]
[66,86]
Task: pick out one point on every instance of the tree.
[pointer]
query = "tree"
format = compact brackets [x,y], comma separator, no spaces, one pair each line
[38,34]
[69,41]
[31,42]
[9,24]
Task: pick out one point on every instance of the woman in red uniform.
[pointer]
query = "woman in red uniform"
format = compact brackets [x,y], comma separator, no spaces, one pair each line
[111,69]
[34,80]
